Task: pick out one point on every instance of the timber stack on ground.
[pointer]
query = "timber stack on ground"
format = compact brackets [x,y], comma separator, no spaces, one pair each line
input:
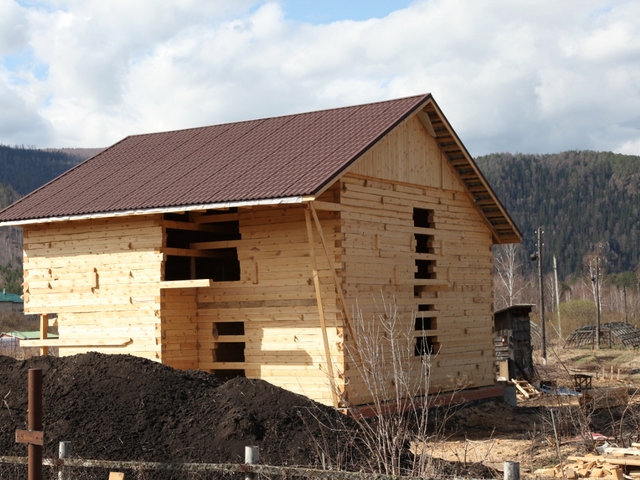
[615,463]
[250,249]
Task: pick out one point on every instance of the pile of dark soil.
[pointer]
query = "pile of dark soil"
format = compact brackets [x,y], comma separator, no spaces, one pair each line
[120,407]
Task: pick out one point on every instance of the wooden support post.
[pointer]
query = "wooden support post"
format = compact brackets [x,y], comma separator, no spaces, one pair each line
[323,325]
[34,437]
[336,280]
[44,332]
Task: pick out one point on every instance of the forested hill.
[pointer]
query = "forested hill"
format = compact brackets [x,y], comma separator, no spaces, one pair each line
[584,200]
[22,170]
[26,169]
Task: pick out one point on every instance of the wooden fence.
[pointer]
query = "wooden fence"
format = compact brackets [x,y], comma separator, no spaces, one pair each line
[223,468]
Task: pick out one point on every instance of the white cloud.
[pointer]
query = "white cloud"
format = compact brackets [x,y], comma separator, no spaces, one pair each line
[511,76]
[12,27]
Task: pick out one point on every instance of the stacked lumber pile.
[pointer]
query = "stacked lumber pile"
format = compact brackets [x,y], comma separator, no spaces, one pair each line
[615,463]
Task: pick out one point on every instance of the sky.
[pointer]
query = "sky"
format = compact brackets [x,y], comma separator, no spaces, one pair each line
[528,76]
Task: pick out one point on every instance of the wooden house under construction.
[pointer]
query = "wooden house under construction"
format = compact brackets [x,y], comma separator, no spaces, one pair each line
[252,248]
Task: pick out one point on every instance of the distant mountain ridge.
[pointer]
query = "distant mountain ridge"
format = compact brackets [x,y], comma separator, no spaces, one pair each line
[584,200]
[23,170]
[26,169]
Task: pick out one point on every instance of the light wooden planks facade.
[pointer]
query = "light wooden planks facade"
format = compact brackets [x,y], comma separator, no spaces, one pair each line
[399,226]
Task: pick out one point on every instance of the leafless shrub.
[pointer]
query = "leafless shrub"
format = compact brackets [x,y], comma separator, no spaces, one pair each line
[395,377]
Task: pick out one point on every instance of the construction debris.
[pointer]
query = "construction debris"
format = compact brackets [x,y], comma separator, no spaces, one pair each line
[615,463]
[616,333]
[525,389]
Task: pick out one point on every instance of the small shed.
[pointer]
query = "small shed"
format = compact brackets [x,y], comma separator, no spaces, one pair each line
[245,249]
[513,342]
[10,343]
[10,302]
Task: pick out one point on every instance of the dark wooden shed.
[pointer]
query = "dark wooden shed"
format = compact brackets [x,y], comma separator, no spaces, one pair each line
[513,342]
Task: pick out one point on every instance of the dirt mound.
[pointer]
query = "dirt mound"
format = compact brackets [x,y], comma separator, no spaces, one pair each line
[120,407]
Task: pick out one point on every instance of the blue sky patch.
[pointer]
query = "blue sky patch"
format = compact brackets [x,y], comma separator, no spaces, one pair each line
[25,61]
[328,11]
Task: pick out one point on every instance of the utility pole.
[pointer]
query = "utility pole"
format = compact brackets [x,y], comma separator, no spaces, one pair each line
[555,274]
[538,256]
[596,280]
[626,314]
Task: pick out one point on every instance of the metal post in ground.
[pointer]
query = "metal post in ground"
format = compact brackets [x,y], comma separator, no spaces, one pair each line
[64,451]
[251,457]
[511,471]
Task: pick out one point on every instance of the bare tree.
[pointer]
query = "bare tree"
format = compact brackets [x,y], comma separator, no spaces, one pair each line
[509,281]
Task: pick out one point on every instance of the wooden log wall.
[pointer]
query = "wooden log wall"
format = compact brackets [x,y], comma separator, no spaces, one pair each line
[407,171]
[101,277]
[276,304]
[179,328]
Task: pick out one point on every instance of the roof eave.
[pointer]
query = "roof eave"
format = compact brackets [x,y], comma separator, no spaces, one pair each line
[160,210]
[481,194]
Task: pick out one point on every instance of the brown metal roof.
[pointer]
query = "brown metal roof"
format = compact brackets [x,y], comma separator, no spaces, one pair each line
[281,157]
[273,159]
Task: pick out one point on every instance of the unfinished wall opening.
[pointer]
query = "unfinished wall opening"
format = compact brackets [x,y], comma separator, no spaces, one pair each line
[425,269]
[424,243]
[426,346]
[423,218]
[230,352]
[228,328]
[191,245]
[420,291]
[228,348]
[423,322]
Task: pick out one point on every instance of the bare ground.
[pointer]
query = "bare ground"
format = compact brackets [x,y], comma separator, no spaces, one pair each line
[120,407]
[493,433]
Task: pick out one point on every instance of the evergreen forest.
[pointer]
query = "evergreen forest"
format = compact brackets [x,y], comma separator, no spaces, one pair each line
[588,203]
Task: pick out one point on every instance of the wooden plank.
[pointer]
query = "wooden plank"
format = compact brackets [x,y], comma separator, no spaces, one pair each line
[323,326]
[190,252]
[197,227]
[44,328]
[217,244]
[199,283]
[328,206]
[76,342]
[221,217]
[31,437]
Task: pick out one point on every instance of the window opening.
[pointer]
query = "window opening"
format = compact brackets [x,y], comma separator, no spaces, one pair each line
[425,269]
[424,243]
[423,218]
[425,323]
[230,328]
[218,264]
[426,346]
[230,352]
